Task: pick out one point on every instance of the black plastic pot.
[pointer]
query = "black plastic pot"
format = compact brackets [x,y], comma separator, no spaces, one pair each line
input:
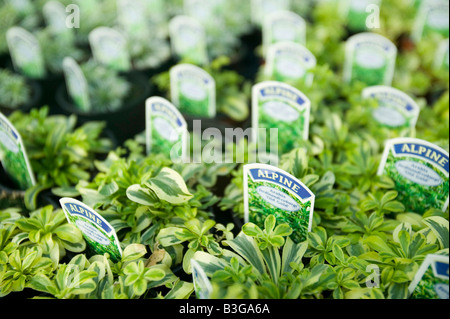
[13,198]
[126,122]
[34,101]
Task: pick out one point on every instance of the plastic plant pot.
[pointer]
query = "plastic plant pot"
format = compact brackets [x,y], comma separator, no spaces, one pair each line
[127,121]
[35,99]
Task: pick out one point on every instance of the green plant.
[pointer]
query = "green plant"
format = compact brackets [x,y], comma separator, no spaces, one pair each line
[14,90]
[107,89]
[49,227]
[60,153]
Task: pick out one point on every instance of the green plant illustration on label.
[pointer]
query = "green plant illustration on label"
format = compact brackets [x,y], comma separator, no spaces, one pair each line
[193,91]
[25,52]
[432,279]
[98,233]
[370,58]
[271,191]
[281,106]
[420,172]
[359,12]
[283,26]
[165,128]
[13,156]
[396,110]
[290,63]
[110,48]
[188,39]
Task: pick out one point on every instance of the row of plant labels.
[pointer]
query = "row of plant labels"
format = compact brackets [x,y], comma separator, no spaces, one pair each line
[419,169]
[369,57]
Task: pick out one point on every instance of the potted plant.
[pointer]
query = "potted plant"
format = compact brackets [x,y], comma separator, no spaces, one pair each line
[114,98]
[59,151]
[17,92]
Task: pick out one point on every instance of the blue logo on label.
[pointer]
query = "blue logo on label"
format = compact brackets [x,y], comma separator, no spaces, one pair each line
[283,180]
[441,269]
[168,111]
[92,216]
[426,152]
[286,93]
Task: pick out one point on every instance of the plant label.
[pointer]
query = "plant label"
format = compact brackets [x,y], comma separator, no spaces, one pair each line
[98,233]
[431,280]
[419,170]
[290,63]
[188,39]
[55,17]
[442,56]
[283,26]
[261,8]
[269,190]
[283,107]
[166,128]
[131,17]
[370,58]
[358,13]
[193,90]
[25,52]
[396,110]
[22,6]
[208,12]
[110,48]
[432,18]
[76,83]
[13,156]
[202,284]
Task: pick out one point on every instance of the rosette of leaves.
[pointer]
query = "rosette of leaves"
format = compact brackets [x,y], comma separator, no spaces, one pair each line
[149,53]
[20,267]
[107,88]
[261,264]
[60,153]
[49,229]
[98,278]
[14,90]
[55,48]
[139,194]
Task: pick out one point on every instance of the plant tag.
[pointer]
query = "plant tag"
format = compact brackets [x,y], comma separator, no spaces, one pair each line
[277,105]
[22,6]
[291,63]
[166,128]
[370,58]
[269,190]
[396,109]
[188,39]
[76,83]
[25,52]
[442,56]
[261,8]
[282,26]
[207,12]
[193,90]
[55,17]
[432,18]
[431,280]
[13,156]
[419,170]
[359,12]
[98,233]
[202,284]
[131,17]
[109,47]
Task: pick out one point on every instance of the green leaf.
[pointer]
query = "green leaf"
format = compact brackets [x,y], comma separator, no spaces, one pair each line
[292,252]
[440,227]
[247,247]
[169,186]
[141,195]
